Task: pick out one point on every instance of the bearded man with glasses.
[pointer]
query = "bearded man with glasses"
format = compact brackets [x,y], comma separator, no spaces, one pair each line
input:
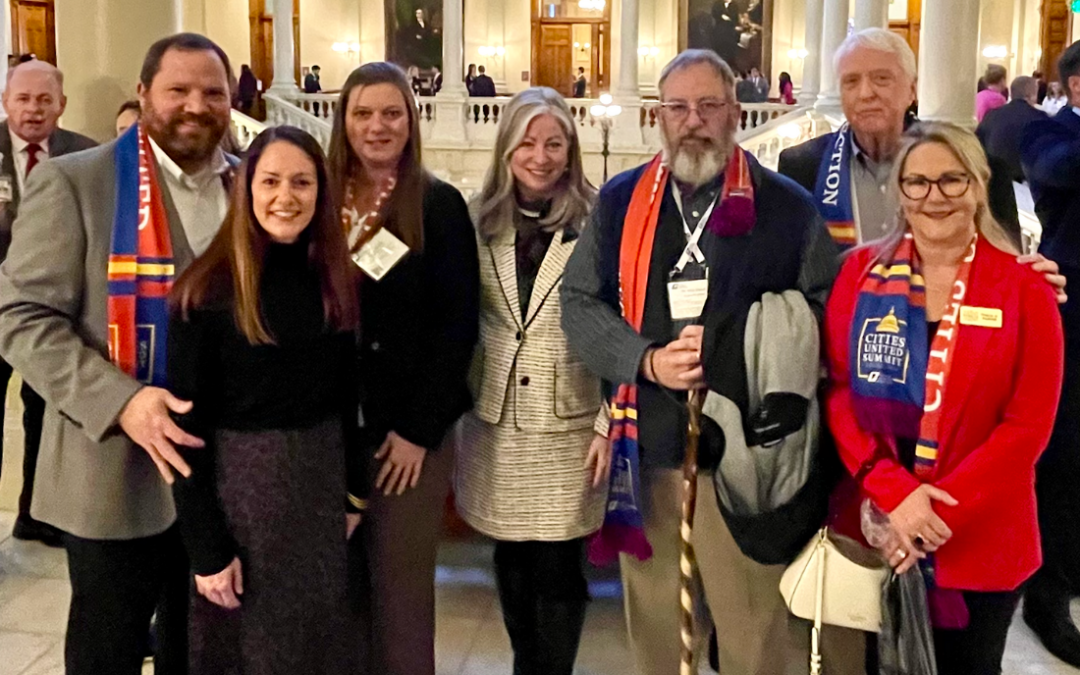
[698,233]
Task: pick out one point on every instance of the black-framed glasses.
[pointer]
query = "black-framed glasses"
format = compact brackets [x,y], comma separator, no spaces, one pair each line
[951,185]
[707,109]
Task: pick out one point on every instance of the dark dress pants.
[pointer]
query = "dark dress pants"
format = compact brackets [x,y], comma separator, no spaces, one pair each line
[116,586]
[544,595]
[978,649]
[33,412]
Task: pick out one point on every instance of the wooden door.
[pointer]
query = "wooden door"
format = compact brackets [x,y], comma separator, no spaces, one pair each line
[33,29]
[555,57]
[1055,34]
[910,29]
[262,42]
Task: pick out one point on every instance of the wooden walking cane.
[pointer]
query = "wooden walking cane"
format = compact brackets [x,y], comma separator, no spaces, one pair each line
[686,549]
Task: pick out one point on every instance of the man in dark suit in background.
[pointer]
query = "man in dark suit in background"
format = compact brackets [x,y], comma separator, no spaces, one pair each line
[1002,130]
[483,85]
[312,85]
[1051,160]
[34,101]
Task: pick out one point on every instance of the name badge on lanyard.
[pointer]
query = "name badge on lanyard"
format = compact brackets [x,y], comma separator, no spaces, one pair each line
[688,285]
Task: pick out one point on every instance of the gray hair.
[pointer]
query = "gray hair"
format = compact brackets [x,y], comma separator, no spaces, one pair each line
[495,208]
[880,40]
[693,57]
[1024,87]
[967,148]
[43,66]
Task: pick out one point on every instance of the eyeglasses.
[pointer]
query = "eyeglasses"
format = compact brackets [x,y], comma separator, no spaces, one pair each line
[707,109]
[951,185]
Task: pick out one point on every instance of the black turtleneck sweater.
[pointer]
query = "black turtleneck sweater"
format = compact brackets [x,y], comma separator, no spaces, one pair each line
[306,377]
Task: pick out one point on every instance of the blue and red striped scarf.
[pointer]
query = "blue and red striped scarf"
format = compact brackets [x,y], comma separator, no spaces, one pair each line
[141,269]
[832,194]
[898,385]
[623,530]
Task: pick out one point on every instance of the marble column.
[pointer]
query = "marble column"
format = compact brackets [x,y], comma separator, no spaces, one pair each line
[453,70]
[627,89]
[949,55]
[100,46]
[871,14]
[811,75]
[284,50]
[835,25]
[5,48]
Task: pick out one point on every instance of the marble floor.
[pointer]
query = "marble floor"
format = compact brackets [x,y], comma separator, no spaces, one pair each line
[470,640]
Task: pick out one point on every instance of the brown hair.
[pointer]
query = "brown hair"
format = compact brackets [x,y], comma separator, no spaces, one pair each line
[234,261]
[405,208]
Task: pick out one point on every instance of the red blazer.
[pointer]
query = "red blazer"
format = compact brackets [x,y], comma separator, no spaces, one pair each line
[998,412]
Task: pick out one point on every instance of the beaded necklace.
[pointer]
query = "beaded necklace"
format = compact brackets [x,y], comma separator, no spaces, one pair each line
[360,228]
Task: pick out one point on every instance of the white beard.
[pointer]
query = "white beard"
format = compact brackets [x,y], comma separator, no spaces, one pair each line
[697,168]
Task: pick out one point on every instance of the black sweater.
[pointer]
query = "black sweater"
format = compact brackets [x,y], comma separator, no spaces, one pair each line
[307,377]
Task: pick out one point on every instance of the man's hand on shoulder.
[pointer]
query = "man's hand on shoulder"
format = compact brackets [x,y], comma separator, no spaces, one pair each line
[1050,270]
[145,419]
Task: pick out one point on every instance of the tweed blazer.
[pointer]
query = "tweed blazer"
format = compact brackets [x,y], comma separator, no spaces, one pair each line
[550,389]
[92,481]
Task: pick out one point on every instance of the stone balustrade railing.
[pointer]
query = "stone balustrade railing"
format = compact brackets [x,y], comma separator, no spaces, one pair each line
[244,128]
[281,111]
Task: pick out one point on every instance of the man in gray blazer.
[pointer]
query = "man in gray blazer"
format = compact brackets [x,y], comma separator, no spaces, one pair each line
[33,101]
[107,452]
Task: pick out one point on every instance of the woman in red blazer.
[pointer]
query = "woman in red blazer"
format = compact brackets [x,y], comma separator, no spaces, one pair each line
[945,363]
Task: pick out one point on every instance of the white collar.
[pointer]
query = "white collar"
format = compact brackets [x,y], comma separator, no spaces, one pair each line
[18,143]
[217,166]
[1076,109]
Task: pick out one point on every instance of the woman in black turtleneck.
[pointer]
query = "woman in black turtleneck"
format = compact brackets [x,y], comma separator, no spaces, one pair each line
[262,341]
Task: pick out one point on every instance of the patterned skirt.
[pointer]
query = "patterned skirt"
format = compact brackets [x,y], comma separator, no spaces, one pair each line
[283,493]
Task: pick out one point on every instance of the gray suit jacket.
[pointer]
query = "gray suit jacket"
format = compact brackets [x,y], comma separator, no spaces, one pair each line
[61,142]
[92,481]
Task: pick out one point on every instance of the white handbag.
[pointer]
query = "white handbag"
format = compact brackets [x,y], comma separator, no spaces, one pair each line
[837,582]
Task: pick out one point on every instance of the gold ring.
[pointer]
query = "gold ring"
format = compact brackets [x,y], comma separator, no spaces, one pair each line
[902,553]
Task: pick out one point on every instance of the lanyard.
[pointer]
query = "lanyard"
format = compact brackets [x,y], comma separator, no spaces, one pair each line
[692,250]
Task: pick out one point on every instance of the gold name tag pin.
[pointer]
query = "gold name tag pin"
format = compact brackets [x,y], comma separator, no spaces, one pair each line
[985,317]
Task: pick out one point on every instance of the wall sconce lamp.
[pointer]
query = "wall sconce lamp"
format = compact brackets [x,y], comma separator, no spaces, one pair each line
[995,52]
[648,52]
[583,47]
[492,51]
[594,5]
[346,47]
[796,54]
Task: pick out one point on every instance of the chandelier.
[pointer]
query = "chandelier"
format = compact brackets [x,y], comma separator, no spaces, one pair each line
[595,5]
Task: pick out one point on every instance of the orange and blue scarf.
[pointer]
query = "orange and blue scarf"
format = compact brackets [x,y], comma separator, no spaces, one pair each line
[141,269]
[898,383]
[833,190]
[623,530]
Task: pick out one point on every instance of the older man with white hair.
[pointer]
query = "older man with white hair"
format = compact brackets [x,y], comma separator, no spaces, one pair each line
[700,230]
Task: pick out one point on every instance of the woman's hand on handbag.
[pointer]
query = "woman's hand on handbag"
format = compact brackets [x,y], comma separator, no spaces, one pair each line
[352,521]
[402,463]
[919,528]
[223,588]
[599,460]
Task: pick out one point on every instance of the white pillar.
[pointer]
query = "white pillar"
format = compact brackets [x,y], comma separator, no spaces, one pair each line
[948,56]
[811,75]
[453,70]
[5,48]
[100,46]
[178,8]
[835,24]
[871,14]
[627,88]
[284,49]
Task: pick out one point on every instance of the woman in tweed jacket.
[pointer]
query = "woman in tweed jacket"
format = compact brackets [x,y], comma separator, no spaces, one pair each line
[532,467]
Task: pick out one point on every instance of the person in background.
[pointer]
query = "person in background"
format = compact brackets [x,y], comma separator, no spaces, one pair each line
[744,88]
[312,82]
[419,316]
[470,77]
[415,83]
[1002,130]
[125,557]
[581,83]
[33,102]
[529,474]
[787,89]
[268,362]
[128,116]
[1051,158]
[761,85]
[993,96]
[634,246]
[484,86]
[1056,99]
[1038,76]
[247,89]
[927,433]
[436,80]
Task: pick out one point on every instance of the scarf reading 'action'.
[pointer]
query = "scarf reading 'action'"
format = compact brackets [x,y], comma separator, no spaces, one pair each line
[141,269]
[623,530]
[833,191]
[897,389]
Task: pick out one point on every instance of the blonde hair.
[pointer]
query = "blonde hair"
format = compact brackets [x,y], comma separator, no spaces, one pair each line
[497,201]
[967,148]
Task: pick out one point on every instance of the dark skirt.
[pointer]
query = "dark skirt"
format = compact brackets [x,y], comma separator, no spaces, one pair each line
[283,493]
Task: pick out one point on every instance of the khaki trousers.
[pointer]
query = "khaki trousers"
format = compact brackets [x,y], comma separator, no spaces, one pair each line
[755,632]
